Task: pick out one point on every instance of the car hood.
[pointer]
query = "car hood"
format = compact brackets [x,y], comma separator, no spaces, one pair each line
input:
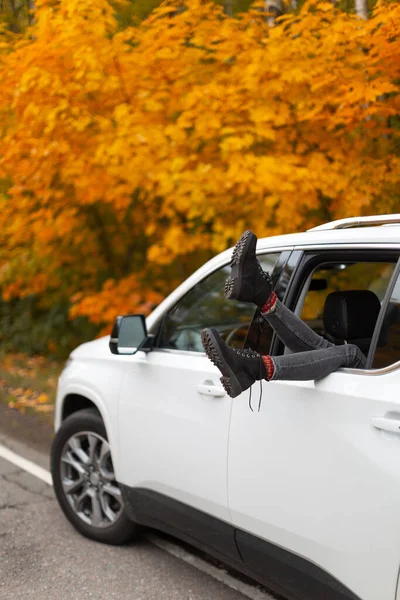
[94,349]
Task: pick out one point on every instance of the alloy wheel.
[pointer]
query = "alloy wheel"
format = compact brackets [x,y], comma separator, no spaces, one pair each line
[88,480]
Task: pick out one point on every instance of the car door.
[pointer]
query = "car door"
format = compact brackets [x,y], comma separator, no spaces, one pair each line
[314,478]
[174,415]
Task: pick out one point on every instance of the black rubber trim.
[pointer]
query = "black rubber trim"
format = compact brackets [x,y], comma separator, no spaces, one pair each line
[301,578]
[151,509]
[284,573]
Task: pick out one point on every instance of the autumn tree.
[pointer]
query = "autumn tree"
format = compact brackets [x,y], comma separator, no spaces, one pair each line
[16,14]
[128,157]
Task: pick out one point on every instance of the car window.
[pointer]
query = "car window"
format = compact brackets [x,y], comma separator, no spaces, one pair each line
[388,347]
[206,306]
[340,276]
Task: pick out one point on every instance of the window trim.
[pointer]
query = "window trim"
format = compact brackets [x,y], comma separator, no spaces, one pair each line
[179,352]
[375,372]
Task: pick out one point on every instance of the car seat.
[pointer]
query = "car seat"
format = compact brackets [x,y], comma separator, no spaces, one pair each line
[350,317]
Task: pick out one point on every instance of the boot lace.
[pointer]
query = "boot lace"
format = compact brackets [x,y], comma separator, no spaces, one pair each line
[264,274]
[248,353]
[261,362]
[253,354]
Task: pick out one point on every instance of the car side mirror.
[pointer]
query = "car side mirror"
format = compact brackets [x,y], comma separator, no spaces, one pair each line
[129,334]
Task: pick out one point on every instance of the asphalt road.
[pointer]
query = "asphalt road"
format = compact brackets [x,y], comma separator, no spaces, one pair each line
[42,557]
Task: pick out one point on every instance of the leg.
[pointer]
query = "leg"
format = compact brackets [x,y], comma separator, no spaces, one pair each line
[241,368]
[315,364]
[292,331]
[313,358]
[249,283]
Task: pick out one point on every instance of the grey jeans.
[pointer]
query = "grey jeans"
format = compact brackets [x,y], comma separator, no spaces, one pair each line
[313,356]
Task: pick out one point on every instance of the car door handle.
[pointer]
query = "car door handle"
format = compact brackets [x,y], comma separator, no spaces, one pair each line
[208,389]
[386,424]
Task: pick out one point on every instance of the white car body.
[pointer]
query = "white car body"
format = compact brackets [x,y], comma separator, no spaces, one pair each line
[311,474]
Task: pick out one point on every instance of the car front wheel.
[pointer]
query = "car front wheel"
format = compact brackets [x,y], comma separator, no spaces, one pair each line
[84,480]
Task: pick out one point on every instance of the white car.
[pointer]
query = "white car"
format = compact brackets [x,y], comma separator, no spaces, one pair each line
[302,495]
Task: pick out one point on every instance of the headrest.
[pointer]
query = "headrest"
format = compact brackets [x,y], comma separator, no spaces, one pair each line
[351,315]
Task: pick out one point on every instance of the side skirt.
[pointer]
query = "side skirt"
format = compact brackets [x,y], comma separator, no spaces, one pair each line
[284,573]
[157,511]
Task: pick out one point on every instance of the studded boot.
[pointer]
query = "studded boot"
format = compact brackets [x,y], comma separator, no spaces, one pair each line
[248,281]
[239,368]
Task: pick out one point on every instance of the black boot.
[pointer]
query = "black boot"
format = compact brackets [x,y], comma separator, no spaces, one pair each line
[248,282]
[240,368]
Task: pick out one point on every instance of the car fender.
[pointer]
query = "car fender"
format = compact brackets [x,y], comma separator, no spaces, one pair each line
[96,399]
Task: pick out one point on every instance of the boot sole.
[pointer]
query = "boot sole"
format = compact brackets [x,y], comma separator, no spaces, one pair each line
[211,347]
[232,284]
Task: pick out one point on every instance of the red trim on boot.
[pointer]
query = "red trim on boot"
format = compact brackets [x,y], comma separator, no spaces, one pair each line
[269,366]
[270,303]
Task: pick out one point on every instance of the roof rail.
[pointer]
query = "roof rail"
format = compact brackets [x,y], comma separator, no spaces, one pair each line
[359,222]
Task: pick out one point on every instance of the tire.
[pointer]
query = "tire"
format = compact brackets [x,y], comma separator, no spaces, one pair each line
[83,480]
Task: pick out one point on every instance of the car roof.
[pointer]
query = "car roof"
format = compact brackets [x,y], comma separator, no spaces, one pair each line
[382,234]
